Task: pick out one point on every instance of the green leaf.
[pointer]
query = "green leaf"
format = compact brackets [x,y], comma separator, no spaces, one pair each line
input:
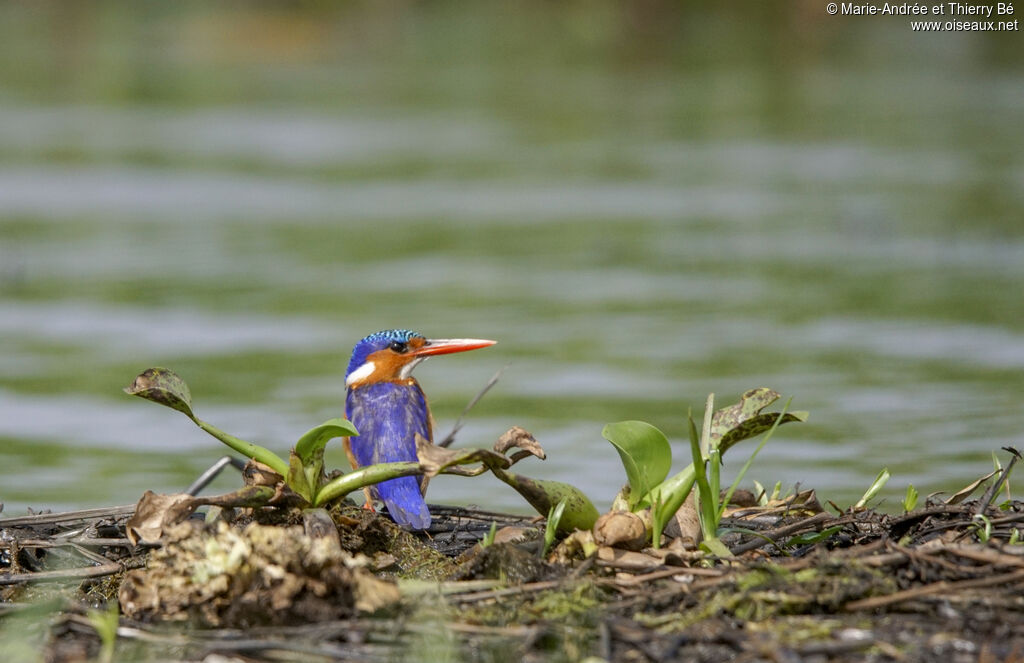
[551,527]
[750,459]
[488,539]
[163,386]
[708,502]
[315,439]
[813,537]
[364,476]
[910,501]
[743,420]
[715,546]
[645,454]
[580,512]
[297,479]
[666,498]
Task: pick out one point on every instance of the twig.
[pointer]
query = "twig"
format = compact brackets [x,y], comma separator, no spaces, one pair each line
[934,588]
[64,574]
[776,534]
[212,472]
[69,516]
[447,441]
[998,483]
[508,591]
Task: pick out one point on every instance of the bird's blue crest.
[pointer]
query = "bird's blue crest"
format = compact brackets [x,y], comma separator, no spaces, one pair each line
[377,341]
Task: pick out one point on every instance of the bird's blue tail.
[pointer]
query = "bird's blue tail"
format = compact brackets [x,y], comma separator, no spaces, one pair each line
[405,502]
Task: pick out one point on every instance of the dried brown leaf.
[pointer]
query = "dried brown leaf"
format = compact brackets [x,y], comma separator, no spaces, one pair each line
[519,438]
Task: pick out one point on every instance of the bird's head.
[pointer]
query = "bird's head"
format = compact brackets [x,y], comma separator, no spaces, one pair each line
[392,354]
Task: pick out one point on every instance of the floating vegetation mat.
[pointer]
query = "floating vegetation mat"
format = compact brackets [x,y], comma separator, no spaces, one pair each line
[943,582]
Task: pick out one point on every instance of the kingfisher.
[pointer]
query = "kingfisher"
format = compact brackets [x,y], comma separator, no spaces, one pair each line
[388,408]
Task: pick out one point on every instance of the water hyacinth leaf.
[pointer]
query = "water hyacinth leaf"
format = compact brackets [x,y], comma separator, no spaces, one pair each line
[580,512]
[668,497]
[315,439]
[645,453]
[743,420]
[677,484]
[163,386]
[297,479]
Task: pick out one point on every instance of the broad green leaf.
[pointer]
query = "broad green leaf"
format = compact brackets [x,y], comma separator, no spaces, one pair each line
[645,454]
[315,439]
[163,386]
[580,512]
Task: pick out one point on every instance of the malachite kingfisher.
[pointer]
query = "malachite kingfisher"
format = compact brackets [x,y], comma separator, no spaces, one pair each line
[388,408]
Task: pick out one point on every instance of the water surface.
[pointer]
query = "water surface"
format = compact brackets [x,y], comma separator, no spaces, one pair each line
[637,222]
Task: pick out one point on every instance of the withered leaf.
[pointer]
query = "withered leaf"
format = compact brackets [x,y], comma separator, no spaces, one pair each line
[155,513]
[743,420]
[434,459]
[519,438]
[163,386]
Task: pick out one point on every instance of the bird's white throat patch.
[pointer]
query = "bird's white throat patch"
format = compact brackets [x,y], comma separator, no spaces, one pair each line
[407,369]
[360,374]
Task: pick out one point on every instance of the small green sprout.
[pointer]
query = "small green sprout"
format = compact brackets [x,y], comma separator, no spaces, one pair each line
[876,485]
[551,527]
[105,622]
[488,539]
[983,527]
[910,501]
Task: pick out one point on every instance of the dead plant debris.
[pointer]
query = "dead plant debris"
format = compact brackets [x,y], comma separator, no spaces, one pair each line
[943,582]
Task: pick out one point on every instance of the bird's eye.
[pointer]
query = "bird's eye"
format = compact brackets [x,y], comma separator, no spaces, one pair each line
[398,346]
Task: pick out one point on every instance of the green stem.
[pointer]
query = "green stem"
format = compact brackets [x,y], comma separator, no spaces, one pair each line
[367,476]
[247,449]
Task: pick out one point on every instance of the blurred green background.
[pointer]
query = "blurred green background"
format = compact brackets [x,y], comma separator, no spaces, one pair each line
[642,201]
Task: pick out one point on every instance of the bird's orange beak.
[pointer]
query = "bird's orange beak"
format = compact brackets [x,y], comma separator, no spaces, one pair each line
[444,346]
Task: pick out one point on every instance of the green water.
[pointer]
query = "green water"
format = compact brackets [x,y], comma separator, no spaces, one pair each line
[640,206]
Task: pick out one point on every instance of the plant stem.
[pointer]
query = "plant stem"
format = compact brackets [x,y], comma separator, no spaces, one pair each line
[247,449]
[367,476]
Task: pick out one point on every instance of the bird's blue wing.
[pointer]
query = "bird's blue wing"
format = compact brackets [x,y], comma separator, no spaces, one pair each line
[388,416]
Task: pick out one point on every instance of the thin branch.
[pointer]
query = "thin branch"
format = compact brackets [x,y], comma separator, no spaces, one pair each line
[447,441]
